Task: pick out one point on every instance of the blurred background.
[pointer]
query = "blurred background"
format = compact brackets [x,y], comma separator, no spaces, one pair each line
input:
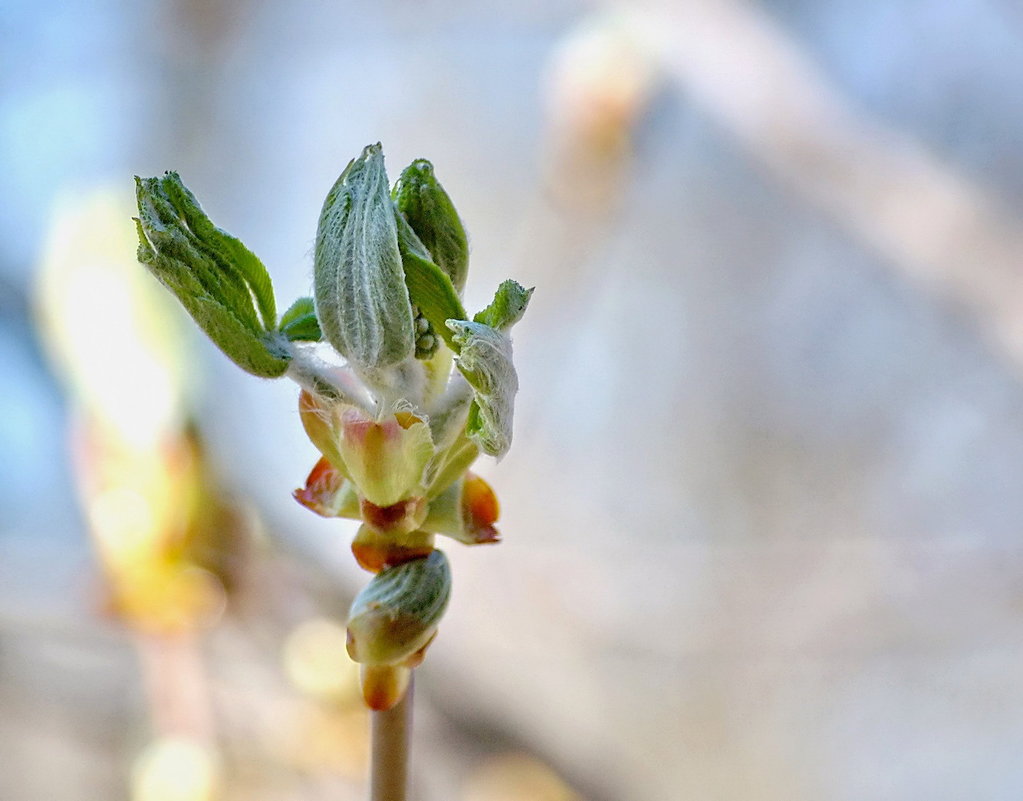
[762,518]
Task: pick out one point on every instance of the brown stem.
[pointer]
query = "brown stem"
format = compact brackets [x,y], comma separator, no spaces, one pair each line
[391,731]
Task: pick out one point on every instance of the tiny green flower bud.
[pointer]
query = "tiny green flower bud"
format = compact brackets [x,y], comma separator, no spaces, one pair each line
[428,209]
[426,346]
[362,303]
[397,613]
[426,342]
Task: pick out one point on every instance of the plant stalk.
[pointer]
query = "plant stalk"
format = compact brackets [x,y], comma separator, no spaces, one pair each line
[391,731]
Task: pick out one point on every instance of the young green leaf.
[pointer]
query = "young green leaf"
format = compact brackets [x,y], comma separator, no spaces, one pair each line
[485,359]
[421,199]
[362,303]
[507,307]
[250,272]
[299,322]
[428,286]
[216,278]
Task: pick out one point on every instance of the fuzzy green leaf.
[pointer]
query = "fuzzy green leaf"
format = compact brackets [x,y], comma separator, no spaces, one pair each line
[299,322]
[422,201]
[250,271]
[485,359]
[507,307]
[428,285]
[362,303]
[217,279]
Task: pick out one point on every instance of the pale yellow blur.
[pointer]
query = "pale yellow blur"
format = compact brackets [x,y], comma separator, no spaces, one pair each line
[515,777]
[107,327]
[317,662]
[176,769]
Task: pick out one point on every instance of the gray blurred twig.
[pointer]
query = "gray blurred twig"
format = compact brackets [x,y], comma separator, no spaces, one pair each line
[930,222]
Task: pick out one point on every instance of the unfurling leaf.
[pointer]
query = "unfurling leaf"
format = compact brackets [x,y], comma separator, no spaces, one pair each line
[218,280]
[299,322]
[507,307]
[429,287]
[362,304]
[422,201]
[485,359]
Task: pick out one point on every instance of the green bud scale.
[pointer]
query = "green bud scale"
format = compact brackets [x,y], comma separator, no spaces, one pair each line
[397,613]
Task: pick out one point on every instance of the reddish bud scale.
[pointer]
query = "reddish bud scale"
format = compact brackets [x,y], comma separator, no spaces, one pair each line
[383,686]
[480,509]
[321,486]
[398,518]
[375,550]
[375,557]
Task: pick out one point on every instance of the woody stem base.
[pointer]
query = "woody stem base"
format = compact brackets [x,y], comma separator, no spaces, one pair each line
[391,731]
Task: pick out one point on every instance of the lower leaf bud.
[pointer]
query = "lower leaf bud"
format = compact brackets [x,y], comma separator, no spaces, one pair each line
[397,613]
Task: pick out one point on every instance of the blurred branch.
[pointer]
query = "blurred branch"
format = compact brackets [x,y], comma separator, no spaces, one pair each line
[929,221]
